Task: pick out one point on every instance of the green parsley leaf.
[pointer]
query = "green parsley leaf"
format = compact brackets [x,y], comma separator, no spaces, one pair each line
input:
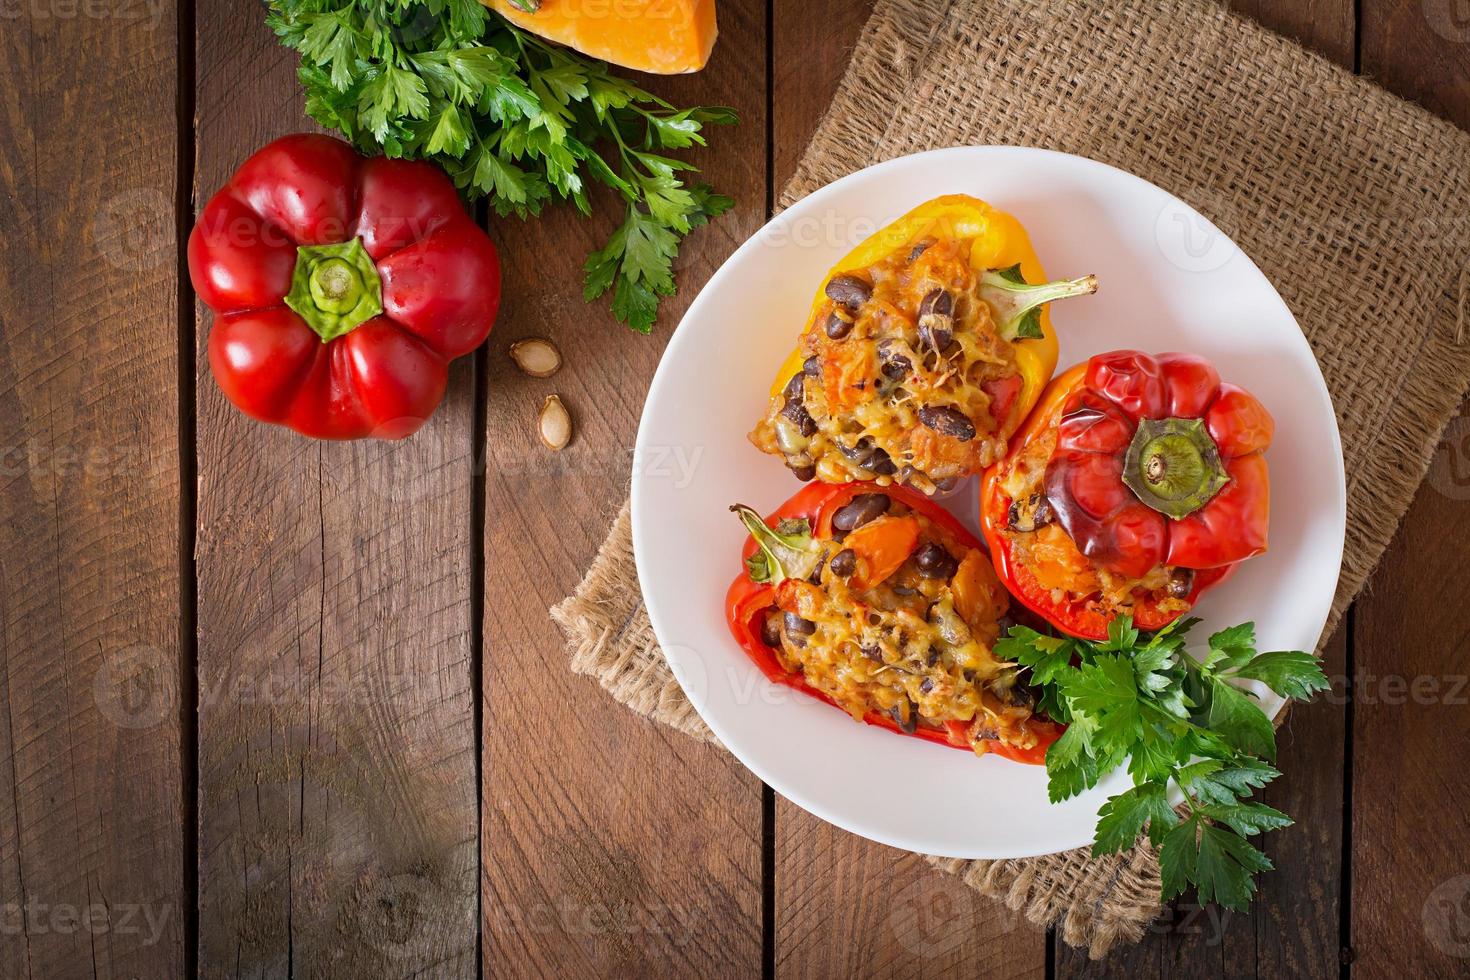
[1224,866]
[511,117]
[1124,817]
[1290,673]
[1142,700]
[1240,721]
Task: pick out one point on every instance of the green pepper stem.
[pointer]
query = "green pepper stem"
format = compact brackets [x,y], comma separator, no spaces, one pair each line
[786,551]
[1173,466]
[1017,305]
[335,288]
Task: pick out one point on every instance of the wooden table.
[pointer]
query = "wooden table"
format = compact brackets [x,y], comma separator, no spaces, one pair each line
[276,708]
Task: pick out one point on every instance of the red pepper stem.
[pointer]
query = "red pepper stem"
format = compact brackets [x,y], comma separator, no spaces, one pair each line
[335,288]
[1173,466]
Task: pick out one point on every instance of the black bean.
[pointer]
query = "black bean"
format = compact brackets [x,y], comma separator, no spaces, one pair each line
[838,326]
[771,631]
[816,576]
[795,389]
[860,510]
[1029,514]
[844,563]
[797,413]
[904,591]
[1181,582]
[804,473]
[795,407]
[948,421]
[936,334]
[1021,696]
[919,248]
[880,463]
[798,629]
[849,291]
[937,300]
[893,361]
[936,320]
[907,721]
[872,652]
[812,366]
[926,685]
[933,657]
[947,484]
[934,561]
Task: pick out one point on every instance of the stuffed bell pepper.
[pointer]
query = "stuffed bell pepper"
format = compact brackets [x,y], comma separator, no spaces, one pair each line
[1137,483]
[924,350]
[877,601]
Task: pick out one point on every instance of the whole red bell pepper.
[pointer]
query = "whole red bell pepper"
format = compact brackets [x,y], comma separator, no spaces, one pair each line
[748,601]
[342,288]
[1155,463]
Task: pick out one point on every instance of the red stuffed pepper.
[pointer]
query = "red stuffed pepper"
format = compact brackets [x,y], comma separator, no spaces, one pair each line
[1138,483]
[342,288]
[879,602]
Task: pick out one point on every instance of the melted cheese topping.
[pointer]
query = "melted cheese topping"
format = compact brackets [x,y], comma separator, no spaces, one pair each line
[917,649]
[858,406]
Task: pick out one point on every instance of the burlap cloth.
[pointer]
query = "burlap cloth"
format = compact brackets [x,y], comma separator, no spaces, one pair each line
[1355,203]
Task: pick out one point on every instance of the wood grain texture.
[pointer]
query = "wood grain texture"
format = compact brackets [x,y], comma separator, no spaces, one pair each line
[1324,26]
[91,825]
[1410,911]
[336,727]
[611,846]
[1420,49]
[1410,832]
[811,46]
[845,906]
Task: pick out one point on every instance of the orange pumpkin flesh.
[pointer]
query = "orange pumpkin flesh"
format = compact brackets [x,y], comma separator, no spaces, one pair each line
[665,37]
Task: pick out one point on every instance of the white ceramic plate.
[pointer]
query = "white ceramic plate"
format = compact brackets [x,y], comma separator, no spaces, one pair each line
[1169,279]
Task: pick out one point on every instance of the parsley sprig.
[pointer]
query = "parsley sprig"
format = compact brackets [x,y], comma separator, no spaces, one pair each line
[1141,700]
[513,118]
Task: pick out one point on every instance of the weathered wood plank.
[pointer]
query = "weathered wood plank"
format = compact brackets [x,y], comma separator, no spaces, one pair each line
[1410,829]
[336,728]
[1410,802]
[611,845]
[91,825]
[844,905]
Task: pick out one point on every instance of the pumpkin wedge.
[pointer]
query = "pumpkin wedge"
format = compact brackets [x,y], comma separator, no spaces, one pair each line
[665,37]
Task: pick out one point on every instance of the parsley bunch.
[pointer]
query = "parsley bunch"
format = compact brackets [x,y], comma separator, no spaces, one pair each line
[1142,700]
[510,117]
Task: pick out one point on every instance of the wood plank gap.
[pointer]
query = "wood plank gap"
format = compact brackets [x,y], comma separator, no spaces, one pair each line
[478,455]
[1357,54]
[1051,953]
[1345,868]
[768,882]
[768,795]
[188,490]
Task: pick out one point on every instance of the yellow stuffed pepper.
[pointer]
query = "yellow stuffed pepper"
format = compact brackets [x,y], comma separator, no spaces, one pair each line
[926,347]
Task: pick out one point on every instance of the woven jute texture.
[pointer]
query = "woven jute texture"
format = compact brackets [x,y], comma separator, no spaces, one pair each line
[1355,203]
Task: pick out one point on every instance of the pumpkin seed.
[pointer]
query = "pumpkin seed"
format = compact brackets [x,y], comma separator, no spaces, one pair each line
[536,356]
[554,424]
